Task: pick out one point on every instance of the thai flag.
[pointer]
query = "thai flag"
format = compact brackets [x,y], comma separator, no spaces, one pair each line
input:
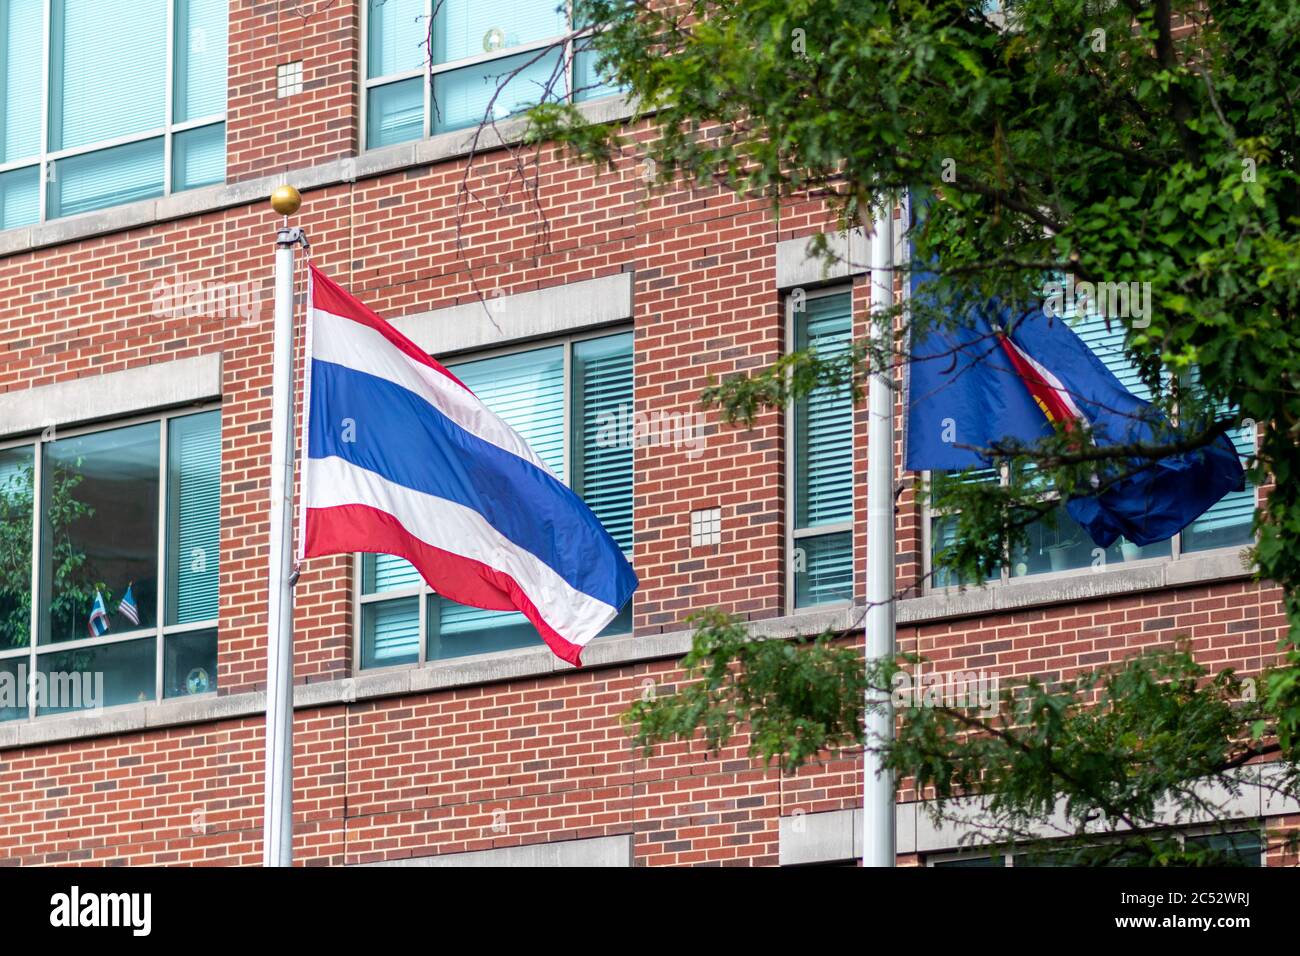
[98,623]
[404,459]
[126,607]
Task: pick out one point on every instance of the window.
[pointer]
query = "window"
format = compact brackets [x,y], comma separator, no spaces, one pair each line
[1238,848]
[108,101]
[821,459]
[572,403]
[1063,545]
[122,566]
[428,72]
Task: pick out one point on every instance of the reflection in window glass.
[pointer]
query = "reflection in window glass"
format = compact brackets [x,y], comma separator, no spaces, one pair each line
[13,678]
[99,531]
[495,89]
[104,675]
[189,663]
[16,504]
[466,28]
[1064,546]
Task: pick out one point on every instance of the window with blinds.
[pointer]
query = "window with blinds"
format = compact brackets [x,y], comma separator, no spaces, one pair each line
[441,65]
[561,399]
[822,439]
[127,520]
[126,78]
[194,517]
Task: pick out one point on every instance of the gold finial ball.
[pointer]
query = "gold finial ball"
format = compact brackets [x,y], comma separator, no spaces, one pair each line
[286,200]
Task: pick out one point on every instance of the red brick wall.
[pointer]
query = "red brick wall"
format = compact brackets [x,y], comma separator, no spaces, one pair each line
[524,761]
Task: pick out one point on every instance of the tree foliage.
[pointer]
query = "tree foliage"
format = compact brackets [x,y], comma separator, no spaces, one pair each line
[1135,141]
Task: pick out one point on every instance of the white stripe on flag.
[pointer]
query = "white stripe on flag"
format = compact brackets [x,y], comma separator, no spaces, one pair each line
[343,342]
[452,527]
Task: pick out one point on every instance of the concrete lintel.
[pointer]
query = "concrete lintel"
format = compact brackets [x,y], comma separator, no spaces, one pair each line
[96,397]
[555,310]
[835,835]
[797,266]
[607,851]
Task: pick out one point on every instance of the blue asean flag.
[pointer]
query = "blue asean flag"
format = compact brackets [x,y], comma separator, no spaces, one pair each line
[975,386]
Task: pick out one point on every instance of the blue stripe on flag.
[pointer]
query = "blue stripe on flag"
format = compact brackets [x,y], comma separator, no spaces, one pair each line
[400,436]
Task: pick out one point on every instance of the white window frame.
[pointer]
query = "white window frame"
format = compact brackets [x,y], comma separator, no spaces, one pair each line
[429,70]
[792,534]
[159,630]
[46,159]
[422,590]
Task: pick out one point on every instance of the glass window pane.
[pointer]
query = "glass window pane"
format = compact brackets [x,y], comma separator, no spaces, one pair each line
[943,532]
[193,517]
[189,663]
[457,631]
[1227,523]
[976,861]
[1066,546]
[13,688]
[465,28]
[397,31]
[823,420]
[395,113]
[107,177]
[462,98]
[1242,849]
[1108,345]
[16,485]
[823,569]
[588,82]
[108,70]
[199,157]
[390,632]
[99,530]
[603,419]
[527,390]
[200,57]
[621,624]
[20,197]
[387,572]
[22,24]
[101,676]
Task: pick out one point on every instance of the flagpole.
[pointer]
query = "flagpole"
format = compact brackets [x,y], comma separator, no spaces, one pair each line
[277,830]
[877,782]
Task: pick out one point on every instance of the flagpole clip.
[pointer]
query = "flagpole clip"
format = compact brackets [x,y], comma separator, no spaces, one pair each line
[292,236]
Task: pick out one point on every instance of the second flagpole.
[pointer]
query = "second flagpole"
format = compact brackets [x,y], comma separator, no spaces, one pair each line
[878,782]
[277,830]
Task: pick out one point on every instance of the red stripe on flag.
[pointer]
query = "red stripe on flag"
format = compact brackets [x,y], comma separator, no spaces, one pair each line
[332,298]
[1047,397]
[362,528]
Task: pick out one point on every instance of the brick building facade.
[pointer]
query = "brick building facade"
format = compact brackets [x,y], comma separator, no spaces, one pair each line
[134,303]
